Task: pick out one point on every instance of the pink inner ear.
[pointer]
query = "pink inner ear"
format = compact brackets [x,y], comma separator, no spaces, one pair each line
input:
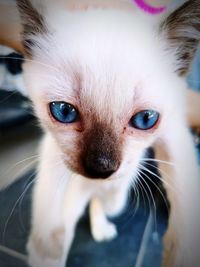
[148,8]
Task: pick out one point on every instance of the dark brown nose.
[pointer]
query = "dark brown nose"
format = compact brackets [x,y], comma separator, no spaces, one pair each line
[100,166]
[101,153]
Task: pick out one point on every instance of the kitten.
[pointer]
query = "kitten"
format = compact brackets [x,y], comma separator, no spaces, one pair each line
[107,82]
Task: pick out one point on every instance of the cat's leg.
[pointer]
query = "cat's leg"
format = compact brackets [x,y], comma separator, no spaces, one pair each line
[77,196]
[45,245]
[59,200]
[111,203]
[181,179]
[115,199]
[101,228]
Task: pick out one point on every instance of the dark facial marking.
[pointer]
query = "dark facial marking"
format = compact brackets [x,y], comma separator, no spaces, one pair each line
[101,153]
[33,24]
[183,30]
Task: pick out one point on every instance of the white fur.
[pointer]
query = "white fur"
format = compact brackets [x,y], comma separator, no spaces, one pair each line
[124,68]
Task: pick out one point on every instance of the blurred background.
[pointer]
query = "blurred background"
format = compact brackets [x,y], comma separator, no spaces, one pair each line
[142,224]
[19,131]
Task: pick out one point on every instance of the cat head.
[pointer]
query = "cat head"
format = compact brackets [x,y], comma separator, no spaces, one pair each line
[105,81]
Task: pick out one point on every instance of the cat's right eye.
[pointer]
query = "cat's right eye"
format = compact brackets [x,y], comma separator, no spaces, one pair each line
[64,112]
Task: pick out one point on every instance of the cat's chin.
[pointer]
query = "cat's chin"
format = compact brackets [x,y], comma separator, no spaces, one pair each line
[86,176]
[110,178]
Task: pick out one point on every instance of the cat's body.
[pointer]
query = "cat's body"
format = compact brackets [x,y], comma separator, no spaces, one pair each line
[110,63]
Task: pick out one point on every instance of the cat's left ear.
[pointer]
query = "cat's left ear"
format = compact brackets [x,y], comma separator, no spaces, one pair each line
[182,28]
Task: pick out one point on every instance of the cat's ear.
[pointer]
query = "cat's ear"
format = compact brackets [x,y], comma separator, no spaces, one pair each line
[20,22]
[33,24]
[10,26]
[182,28]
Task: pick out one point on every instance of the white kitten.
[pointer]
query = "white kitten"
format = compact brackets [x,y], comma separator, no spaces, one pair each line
[107,82]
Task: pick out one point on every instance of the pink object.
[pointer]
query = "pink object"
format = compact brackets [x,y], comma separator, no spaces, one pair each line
[148,8]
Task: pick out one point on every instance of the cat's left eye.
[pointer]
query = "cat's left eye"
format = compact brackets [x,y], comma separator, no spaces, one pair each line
[64,112]
[144,120]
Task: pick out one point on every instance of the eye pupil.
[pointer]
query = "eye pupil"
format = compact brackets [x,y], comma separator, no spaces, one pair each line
[63,112]
[146,117]
[144,120]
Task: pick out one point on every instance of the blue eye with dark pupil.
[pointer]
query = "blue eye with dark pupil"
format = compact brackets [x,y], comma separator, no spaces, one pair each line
[144,120]
[64,112]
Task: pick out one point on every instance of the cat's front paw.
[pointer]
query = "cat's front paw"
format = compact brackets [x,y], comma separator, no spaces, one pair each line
[36,260]
[104,232]
[48,253]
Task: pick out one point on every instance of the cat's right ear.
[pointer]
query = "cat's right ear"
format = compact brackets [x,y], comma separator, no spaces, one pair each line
[33,24]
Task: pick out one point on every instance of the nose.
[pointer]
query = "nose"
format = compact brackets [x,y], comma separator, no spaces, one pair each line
[100,166]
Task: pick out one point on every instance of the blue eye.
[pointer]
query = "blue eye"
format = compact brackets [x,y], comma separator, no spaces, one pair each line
[144,120]
[64,112]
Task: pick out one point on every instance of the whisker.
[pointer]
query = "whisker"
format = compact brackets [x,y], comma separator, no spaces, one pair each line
[26,159]
[160,170]
[154,204]
[130,211]
[137,195]
[36,178]
[14,207]
[159,161]
[143,188]
[143,197]
[19,173]
[156,186]
[21,200]
[30,60]
[42,75]
[162,180]
[8,97]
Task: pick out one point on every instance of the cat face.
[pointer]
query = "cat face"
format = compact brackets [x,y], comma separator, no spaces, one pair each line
[102,83]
